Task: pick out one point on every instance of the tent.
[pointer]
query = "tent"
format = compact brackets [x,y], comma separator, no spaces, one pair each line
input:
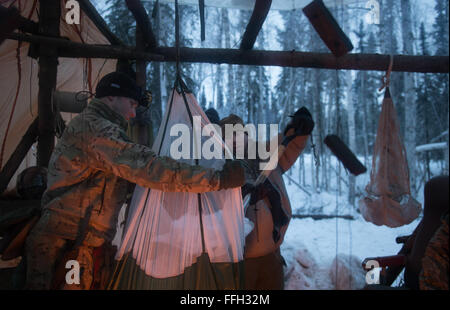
[19,78]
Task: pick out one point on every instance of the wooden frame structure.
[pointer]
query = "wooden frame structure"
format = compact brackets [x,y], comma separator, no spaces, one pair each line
[51,46]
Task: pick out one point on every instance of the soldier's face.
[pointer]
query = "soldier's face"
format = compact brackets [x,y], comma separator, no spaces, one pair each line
[126,107]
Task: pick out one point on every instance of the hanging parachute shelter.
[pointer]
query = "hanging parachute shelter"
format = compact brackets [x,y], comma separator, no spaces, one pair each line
[66,58]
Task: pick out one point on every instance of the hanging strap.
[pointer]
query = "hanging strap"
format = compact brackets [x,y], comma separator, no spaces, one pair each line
[387,77]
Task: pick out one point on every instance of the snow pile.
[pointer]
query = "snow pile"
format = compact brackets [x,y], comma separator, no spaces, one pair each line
[310,246]
[348,272]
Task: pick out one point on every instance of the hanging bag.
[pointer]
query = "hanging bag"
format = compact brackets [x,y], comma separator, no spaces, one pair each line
[389,201]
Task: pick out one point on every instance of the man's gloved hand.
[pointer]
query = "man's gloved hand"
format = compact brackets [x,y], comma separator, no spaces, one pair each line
[302,122]
[232,175]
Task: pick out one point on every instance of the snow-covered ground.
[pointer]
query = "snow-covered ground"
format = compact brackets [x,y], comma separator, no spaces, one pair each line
[310,246]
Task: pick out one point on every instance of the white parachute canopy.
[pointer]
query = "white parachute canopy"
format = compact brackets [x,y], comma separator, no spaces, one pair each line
[164,230]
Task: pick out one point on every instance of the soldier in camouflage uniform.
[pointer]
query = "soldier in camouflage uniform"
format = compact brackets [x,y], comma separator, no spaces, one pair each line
[270,208]
[87,181]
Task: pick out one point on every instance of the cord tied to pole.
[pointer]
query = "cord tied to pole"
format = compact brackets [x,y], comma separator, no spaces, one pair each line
[386,79]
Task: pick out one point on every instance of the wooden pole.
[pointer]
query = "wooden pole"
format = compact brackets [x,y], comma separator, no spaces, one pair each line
[50,11]
[9,21]
[260,11]
[370,62]
[143,133]
[143,23]
[18,155]
[87,7]
[11,17]
[67,48]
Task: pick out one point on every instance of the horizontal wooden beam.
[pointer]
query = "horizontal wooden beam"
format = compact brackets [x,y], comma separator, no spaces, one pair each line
[67,48]
[260,11]
[371,62]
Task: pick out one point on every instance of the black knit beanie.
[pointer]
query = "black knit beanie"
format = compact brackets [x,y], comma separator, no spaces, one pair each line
[118,84]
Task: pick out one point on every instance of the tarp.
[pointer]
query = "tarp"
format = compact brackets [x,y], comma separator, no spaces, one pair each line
[167,243]
[74,74]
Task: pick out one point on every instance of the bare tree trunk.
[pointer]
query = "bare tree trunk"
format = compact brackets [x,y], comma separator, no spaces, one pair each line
[231,97]
[410,96]
[318,130]
[362,97]
[351,136]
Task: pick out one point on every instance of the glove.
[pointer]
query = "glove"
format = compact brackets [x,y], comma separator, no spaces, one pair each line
[232,175]
[302,122]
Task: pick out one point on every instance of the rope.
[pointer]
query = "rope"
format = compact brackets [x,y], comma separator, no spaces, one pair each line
[386,79]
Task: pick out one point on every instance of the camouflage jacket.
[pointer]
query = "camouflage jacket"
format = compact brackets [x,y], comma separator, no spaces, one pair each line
[435,263]
[89,169]
[260,242]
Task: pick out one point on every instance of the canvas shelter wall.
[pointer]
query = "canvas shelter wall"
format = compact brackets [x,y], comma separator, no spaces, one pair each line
[74,74]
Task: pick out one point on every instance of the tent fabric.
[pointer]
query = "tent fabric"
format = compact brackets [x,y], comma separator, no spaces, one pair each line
[74,74]
[389,201]
[166,241]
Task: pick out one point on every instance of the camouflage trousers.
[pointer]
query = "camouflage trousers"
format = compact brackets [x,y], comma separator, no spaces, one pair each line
[265,272]
[43,252]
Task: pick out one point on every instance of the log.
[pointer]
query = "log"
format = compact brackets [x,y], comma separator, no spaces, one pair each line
[327,28]
[18,155]
[260,11]
[67,48]
[321,216]
[370,62]
[49,19]
[11,17]
[9,21]
[142,22]
[87,7]
[431,147]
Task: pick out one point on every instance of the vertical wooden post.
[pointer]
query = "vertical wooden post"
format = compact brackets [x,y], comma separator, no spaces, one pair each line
[50,11]
[144,132]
